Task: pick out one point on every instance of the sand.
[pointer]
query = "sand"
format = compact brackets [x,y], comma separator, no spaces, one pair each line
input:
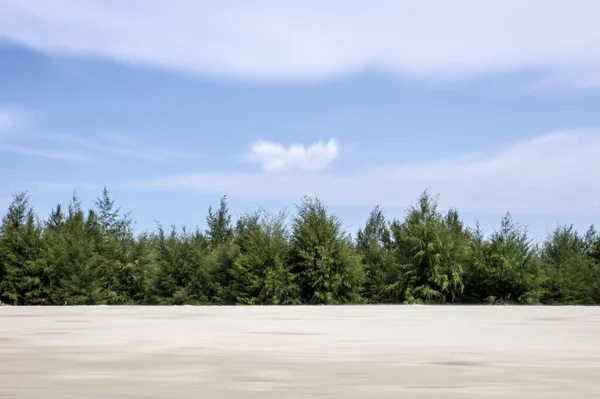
[295,352]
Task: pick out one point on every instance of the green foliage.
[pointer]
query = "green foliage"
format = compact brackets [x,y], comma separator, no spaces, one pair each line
[374,244]
[260,274]
[221,261]
[431,250]
[568,267]
[71,258]
[85,257]
[123,260]
[329,270]
[21,274]
[181,268]
[476,273]
[506,266]
[591,243]
[219,230]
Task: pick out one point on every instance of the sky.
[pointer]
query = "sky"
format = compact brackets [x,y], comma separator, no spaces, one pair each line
[493,105]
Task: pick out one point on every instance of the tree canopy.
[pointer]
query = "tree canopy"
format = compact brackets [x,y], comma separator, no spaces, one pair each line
[78,256]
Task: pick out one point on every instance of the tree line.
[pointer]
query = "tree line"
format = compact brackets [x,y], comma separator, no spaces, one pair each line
[94,256]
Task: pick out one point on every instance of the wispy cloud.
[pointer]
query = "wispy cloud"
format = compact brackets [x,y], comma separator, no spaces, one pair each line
[14,137]
[45,153]
[19,136]
[274,157]
[120,145]
[552,174]
[273,39]
[12,119]
[79,148]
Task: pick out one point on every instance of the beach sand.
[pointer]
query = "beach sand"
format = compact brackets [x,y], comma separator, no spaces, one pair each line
[345,352]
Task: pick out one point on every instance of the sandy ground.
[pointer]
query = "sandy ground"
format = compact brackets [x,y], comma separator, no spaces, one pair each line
[291,352]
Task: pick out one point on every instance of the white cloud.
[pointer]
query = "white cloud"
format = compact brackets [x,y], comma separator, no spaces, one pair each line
[276,158]
[554,174]
[274,39]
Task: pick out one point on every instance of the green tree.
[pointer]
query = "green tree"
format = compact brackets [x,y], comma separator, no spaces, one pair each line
[71,256]
[431,251]
[260,274]
[476,273]
[512,267]
[96,257]
[22,279]
[220,230]
[569,272]
[220,263]
[223,252]
[329,270]
[591,241]
[182,268]
[123,261]
[456,253]
[374,244]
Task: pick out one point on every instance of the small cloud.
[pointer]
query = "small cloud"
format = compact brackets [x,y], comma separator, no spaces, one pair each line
[275,157]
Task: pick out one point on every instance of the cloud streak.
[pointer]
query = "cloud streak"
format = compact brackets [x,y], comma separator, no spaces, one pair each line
[44,153]
[17,137]
[121,145]
[552,174]
[79,148]
[282,40]
[11,121]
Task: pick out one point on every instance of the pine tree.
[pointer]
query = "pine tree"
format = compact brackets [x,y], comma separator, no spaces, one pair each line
[476,275]
[455,254]
[95,257]
[591,241]
[22,279]
[122,263]
[220,263]
[260,274]
[223,252]
[328,268]
[374,244]
[220,230]
[182,268]
[431,251]
[569,273]
[512,266]
[71,257]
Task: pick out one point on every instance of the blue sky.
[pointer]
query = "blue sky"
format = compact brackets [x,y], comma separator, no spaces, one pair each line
[493,105]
